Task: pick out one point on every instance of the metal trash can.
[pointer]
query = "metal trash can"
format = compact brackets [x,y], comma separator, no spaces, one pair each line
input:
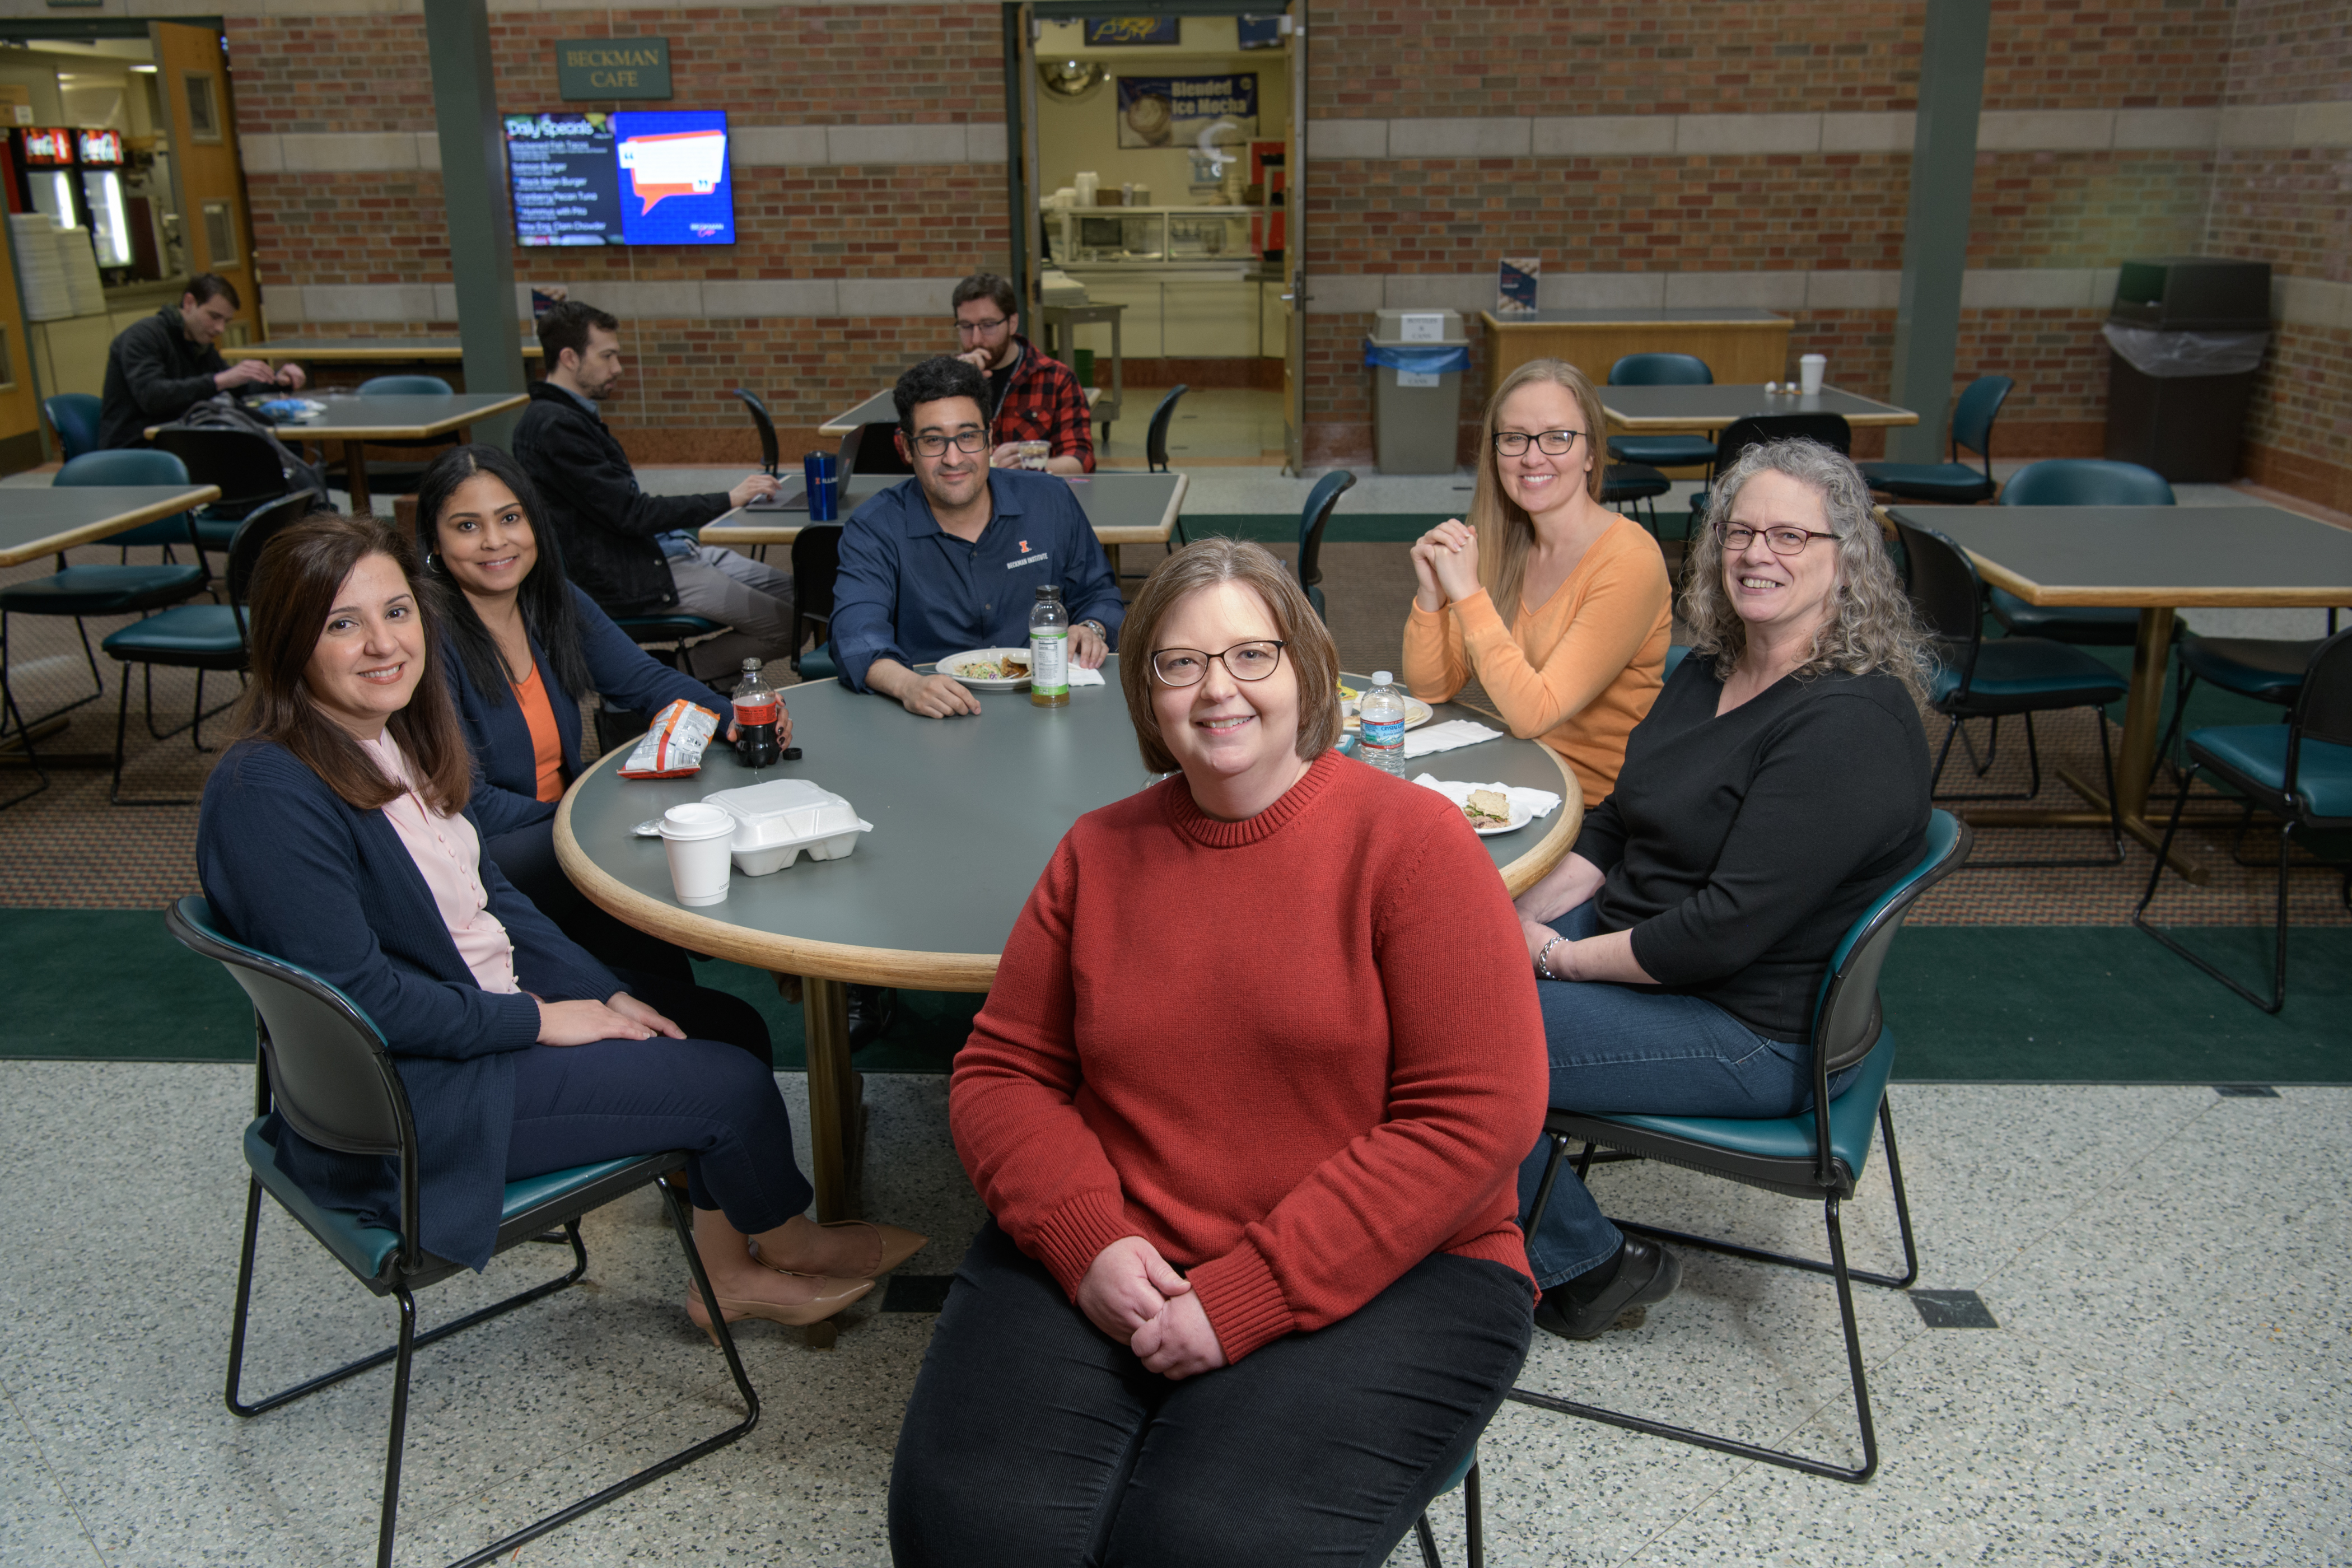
[1416,358]
[2186,337]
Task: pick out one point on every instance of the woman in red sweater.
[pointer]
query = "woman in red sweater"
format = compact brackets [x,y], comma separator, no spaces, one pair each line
[1245,1103]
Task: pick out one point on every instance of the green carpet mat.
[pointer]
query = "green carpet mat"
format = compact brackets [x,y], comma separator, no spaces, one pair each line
[1973,1003]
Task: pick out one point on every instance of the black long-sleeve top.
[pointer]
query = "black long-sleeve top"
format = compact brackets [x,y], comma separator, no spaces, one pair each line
[154,374]
[588,494]
[1739,849]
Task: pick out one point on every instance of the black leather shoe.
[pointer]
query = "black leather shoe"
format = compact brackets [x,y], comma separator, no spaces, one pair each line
[872,1010]
[1582,1308]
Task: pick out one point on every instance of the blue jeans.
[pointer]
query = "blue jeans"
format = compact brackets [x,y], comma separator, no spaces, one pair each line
[1614,1048]
[1034,1440]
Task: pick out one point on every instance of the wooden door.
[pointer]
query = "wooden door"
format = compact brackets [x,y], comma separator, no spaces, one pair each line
[20,410]
[208,179]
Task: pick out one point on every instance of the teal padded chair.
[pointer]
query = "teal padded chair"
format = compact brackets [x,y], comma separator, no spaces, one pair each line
[765,424]
[2300,771]
[81,592]
[2077,482]
[1628,484]
[1312,518]
[1155,433]
[1953,483]
[399,477]
[201,637]
[324,1069]
[1474,1521]
[669,630]
[2268,669]
[1816,1155]
[1661,451]
[73,419]
[1980,680]
[406,386]
[1830,430]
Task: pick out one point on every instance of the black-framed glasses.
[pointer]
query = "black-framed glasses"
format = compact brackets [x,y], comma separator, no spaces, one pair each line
[1242,661]
[931,444]
[1783,541]
[982,326]
[1550,443]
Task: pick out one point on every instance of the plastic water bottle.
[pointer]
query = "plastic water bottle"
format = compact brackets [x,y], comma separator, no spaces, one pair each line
[1382,710]
[756,705]
[1049,650]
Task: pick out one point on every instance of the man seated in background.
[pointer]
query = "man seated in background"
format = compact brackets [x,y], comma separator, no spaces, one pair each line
[1035,398]
[158,368]
[952,558]
[632,552]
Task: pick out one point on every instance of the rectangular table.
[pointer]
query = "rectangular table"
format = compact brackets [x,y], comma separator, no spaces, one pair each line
[357,419]
[40,521]
[2158,560]
[1739,343]
[882,408]
[364,350]
[1655,410]
[1124,508]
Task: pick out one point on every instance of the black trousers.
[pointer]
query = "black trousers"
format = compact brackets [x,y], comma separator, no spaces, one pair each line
[1034,1440]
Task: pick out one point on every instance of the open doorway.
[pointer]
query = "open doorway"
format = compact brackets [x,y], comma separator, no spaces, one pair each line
[1155,176]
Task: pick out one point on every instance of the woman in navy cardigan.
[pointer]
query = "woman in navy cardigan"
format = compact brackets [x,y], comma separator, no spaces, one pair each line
[335,833]
[520,646]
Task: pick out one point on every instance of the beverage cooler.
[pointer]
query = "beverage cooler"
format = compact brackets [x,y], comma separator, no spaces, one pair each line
[75,177]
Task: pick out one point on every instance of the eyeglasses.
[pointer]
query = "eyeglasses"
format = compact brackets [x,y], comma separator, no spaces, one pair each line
[982,326]
[933,445]
[1737,536]
[1550,443]
[1242,661]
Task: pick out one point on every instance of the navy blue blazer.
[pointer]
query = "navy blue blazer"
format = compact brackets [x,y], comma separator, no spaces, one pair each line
[506,768]
[293,869]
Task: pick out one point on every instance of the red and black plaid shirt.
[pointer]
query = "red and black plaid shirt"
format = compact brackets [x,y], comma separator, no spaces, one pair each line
[1043,402]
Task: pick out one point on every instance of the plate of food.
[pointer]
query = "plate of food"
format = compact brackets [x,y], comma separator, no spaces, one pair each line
[1490,812]
[1416,712]
[989,669]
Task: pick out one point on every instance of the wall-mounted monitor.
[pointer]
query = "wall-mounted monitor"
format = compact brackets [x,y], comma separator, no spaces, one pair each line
[45,147]
[100,148]
[650,177]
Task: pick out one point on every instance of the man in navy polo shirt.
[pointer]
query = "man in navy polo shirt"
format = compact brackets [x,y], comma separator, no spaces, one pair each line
[952,558]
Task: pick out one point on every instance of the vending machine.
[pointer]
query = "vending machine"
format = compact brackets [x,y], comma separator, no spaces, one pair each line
[44,171]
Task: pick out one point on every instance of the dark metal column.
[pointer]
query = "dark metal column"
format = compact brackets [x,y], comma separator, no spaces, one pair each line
[1935,230]
[473,189]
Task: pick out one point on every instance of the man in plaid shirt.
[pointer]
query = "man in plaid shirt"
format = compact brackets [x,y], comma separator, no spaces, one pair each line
[1035,398]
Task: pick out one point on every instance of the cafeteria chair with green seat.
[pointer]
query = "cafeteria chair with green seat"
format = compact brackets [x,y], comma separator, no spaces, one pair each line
[1626,484]
[248,469]
[81,592]
[816,567]
[73,419]
[2077,482]
[1830,430]
[196,637]
[1820,1153]
[1662,451]
[398,479]
[1312,520]
[1953,483]
[2300,771]
[1979,679]
[764,424]
[2268,669]
[323,1071]
[137,465]
[1474,1521]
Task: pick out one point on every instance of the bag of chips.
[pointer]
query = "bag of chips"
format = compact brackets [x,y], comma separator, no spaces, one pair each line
[673,748]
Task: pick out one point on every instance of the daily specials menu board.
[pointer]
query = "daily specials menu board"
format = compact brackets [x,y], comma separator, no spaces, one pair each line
[648,178]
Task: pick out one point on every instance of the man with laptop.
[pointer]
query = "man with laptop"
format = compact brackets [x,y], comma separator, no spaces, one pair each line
[632,552]
[952,558]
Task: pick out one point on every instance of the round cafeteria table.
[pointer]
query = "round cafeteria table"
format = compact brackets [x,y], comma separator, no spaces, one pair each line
[966,813]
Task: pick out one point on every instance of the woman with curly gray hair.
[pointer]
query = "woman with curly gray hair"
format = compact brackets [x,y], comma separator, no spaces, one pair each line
[1778,786]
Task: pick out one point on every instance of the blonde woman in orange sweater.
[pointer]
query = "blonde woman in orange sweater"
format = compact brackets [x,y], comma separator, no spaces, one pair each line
[1559,606]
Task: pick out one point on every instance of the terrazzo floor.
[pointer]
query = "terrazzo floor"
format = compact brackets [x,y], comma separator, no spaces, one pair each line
[2167,1383]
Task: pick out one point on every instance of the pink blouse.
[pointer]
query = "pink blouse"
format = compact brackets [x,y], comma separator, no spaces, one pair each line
[448,855]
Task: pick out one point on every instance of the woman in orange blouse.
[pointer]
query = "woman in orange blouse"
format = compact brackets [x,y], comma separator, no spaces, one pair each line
[1559,606]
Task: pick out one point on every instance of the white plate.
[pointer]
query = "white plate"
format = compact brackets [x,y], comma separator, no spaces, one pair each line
[1520,818]
[1416,713]
[953,665]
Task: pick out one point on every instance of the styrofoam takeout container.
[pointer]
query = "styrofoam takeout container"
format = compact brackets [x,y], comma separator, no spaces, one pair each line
[777,821]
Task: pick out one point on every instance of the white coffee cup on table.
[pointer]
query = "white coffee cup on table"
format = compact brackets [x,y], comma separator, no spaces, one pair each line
[700,842]
[1812,368]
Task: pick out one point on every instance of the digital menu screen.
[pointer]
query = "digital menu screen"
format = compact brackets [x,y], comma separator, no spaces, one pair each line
[657,177]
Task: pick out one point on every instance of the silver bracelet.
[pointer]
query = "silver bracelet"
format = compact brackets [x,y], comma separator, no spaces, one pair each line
[1543,958]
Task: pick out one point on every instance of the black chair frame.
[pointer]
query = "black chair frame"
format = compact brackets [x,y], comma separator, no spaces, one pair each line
[817,566]
[410,1268]
[1155,434]
[1473,1521]
[1312,520]
[1848,1026]
[2322,712]
[767,428]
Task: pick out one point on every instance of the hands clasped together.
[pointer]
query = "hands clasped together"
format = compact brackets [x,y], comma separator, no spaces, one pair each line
[1131,1294]
[1445,565]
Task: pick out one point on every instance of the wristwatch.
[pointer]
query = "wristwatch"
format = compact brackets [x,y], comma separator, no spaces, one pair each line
[1101,630]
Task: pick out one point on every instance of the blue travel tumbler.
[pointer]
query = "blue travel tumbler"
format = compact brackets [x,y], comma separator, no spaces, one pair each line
[822,478]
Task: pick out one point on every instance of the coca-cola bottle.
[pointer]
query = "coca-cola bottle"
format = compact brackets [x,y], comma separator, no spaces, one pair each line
[757,707]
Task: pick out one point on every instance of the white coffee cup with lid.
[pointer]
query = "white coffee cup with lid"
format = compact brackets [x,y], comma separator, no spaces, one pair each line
[1812,369]
[700,841]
